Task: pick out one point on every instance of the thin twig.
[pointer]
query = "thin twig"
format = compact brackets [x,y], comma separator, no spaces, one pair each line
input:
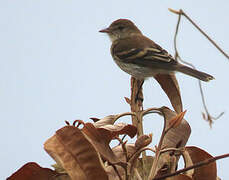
[158,149]
[151,110]
[181,12]
[123,137]
[124,114]
[175,37]
[123,144]
[208,117]
[138,152]
[135,156]
[119,140]
[125,150]
[199,164]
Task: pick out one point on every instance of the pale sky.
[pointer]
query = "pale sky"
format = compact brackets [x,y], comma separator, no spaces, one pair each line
[56,66]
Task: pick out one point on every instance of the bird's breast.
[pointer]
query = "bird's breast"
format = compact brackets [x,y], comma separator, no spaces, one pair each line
[139,72]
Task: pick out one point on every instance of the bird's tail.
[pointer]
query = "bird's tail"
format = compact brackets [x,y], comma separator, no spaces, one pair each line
[194,73]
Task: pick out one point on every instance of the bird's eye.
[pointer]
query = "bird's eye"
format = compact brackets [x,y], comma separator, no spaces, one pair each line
[121,28]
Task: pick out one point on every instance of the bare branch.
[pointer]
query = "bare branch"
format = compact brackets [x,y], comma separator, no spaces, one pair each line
[134,156]
[181,12]
[136,105]
[158,149]
[124,114]
[151,110]
[208,117]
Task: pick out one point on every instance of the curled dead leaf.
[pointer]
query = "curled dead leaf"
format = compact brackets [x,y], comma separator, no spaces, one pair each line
[101,137]
[119,129]
[194,155]
[180,177]
[143,141]
[33,171]
[176,137]
[175,121]
[128,101]
[169,84]
[94,119]
[108,120]
[121,154]
[109,132]
[70,148]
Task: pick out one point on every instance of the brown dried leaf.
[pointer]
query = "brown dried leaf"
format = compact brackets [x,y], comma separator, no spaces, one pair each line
[94,119]
[173,123]
[144,171]
[100,140]
[113,175]
[105,121]
[178,136]
[101,137]
[179,177]
[58,168]
[175,138]
[169,84]
[64,158]
[120,154]
[72,150]
[118,129]
[207,172]
[143,141]
[166,164]
[109,132]
[33,171]
[128,101]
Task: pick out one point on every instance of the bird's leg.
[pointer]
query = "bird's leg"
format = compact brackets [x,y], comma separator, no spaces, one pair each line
[138,93]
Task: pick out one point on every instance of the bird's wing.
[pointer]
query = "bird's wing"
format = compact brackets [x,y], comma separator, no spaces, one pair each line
[140,49]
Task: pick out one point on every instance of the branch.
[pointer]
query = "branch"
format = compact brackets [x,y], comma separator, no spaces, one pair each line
[208,117]
[135,156]
[136,105]
[151,110]
[124,114]
[181,12]
[158,150]
[197,165]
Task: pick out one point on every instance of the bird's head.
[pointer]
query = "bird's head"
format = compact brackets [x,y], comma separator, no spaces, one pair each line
[121,28]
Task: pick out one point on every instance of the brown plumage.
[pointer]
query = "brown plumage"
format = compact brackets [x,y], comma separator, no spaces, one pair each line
[141,57]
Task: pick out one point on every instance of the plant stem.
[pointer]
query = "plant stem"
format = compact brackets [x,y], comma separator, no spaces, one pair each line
[136,107]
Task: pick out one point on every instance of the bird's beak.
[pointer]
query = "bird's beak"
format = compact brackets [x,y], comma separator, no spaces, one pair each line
[106,30]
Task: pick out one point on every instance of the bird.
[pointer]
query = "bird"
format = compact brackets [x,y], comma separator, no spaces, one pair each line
[141,57]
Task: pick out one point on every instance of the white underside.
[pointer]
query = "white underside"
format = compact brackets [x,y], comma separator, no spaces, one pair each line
[140,72]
